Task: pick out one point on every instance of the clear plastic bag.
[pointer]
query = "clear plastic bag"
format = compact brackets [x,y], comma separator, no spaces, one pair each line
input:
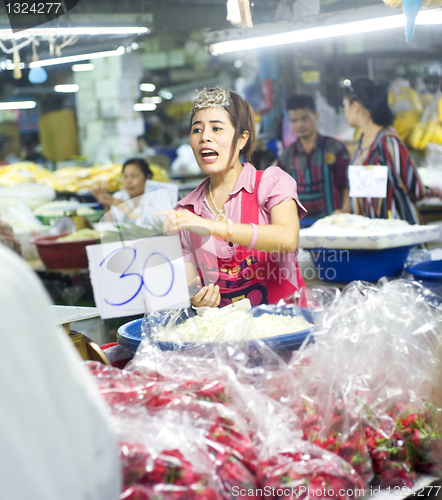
[375,352]
[303,470]
[163,458]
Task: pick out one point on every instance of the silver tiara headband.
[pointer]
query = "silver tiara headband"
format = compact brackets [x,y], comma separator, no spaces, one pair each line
[213,98]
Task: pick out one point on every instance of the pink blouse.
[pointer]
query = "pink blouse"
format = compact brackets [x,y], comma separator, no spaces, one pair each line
[275,187]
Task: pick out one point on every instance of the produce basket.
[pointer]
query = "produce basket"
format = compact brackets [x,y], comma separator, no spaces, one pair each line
[344,266]
[129,336]
[63,254]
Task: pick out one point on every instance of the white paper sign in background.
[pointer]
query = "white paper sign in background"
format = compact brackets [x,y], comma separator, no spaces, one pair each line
[368,181]
[157,196]
[133,277]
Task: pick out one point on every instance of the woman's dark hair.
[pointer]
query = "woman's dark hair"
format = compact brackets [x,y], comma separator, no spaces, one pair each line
[243,119]
[142,164]
[241,115]
[373,97]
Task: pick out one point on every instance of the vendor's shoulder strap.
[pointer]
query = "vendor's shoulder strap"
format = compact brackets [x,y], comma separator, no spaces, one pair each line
[249,202]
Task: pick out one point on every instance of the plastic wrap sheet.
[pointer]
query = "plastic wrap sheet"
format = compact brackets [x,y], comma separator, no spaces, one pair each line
[364,388]
[351,409]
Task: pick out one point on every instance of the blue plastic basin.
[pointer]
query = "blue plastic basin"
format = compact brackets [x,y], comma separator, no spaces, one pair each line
[428,273]
[129,336]
[344,266]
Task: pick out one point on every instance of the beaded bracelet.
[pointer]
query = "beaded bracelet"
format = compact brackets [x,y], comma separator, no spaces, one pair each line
[229,232]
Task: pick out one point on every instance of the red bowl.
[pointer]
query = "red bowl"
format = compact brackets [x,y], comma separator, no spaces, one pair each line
[63,254]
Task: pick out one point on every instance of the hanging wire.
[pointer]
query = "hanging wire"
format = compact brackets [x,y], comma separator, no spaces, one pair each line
[14,46]
[35,44]
[70,41]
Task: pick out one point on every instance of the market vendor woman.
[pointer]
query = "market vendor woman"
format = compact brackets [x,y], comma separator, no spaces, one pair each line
[252,216]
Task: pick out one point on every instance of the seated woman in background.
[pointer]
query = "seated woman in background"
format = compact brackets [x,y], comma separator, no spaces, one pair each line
[249,219]
[136,172]
[366,107]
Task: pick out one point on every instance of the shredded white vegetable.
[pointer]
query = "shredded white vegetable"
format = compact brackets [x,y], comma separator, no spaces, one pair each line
[58,208]
[81,234]
[229,323]
[357,222]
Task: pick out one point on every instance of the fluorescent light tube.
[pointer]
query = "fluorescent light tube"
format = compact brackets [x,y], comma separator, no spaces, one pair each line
[80,57]
[152,100]
[322,32]
[147,87]
[131,30]
[82,67]
[17,105]
[148,106]
[67,89]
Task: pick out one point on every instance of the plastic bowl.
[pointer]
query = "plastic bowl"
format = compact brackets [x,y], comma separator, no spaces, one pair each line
[428,273]
[129,336]
[344,266]
[63,254]
[48,219]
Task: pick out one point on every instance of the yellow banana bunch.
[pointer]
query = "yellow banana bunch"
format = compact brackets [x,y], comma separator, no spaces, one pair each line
[428,4]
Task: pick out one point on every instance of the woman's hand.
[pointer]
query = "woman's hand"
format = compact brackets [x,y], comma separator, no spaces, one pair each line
[208,296]
[184,219]
[103,197]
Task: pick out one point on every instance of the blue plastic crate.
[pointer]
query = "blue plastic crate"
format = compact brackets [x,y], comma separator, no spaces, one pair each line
[129,336]
[307,222]
[344,266]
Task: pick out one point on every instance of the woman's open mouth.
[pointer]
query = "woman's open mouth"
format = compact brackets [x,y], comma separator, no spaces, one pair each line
[208,155]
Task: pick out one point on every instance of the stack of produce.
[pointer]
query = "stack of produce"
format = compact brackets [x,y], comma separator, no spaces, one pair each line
[429,128]
[406,104]
[74,179]
[351,411]
[71,179]
[23,172]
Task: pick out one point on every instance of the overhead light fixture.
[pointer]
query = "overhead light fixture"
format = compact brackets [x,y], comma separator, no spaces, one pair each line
[322,32]
[148,106]
[130,30]
[153,100]
[147,87]
[9,65]
[17,105]
[82,67]
[165,94]
[80,57]
[67,89]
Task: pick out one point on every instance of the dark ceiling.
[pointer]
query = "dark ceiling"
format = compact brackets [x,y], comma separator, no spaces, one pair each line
[175,19]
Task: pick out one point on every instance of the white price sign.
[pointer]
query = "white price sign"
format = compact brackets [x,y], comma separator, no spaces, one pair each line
[368,181]
[134,277]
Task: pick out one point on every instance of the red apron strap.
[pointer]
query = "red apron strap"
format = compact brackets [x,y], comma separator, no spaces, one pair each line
[249,202]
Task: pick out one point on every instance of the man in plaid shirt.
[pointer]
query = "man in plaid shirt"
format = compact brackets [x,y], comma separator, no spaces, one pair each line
[317,162]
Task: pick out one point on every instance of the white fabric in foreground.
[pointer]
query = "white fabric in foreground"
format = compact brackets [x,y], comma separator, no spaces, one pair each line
[55,439]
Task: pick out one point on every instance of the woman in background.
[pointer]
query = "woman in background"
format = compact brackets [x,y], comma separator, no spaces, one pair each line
[136,172]
[240,227]
[366,107]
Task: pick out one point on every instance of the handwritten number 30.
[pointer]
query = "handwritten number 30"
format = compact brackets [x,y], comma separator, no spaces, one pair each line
[125,274]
